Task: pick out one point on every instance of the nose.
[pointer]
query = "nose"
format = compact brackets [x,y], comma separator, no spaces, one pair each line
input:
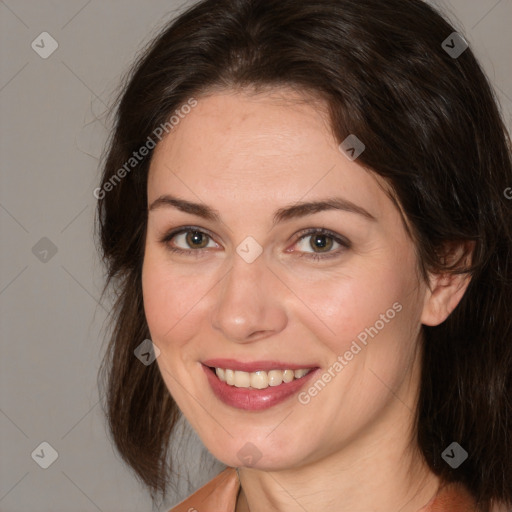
[250,303]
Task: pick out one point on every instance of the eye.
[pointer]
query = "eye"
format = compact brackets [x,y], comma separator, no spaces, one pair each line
[196,239]
[190,236]
[324,240]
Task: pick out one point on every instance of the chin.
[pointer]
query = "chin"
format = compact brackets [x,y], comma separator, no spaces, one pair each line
[258,454]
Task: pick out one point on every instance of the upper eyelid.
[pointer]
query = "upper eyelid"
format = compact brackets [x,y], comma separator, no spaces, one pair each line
[180,231]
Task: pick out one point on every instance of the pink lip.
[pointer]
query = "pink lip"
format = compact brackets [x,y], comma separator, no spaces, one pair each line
[255,399]
[254,366]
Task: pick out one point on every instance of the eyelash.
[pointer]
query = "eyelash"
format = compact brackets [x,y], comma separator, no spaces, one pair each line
[303,234]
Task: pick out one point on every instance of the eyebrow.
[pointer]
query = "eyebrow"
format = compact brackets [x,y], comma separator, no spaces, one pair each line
[296,210]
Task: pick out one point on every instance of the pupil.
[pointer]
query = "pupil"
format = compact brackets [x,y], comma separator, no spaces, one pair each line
[195,238]
[320,241]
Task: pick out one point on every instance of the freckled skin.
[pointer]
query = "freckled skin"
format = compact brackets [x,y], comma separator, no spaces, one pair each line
[247,156]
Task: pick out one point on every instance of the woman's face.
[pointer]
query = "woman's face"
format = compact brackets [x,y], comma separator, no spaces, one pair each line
[247,293]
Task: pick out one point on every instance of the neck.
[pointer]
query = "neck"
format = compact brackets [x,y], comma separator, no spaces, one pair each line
[371,483]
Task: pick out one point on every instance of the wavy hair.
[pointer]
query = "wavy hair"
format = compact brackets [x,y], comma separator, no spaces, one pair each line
[432,128]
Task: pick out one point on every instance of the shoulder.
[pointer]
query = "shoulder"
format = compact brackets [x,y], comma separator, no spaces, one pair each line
[218,494]
[456,497]
[452,497]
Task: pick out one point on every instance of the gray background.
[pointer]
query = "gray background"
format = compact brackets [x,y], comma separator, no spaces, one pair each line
[52,134]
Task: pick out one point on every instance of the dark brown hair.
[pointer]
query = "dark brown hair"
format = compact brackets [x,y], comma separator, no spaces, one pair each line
[432,129]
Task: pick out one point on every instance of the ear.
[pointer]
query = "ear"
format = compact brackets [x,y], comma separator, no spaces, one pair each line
[446,290]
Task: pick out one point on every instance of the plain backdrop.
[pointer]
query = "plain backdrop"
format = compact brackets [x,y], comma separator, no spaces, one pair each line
[52,134]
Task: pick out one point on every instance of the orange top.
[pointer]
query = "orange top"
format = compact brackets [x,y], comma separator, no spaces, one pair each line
[220,495]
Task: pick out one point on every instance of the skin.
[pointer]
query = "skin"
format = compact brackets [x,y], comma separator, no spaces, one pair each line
[351,448]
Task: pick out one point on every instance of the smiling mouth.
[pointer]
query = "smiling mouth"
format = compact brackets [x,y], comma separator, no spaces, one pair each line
[256,389]
[259,379]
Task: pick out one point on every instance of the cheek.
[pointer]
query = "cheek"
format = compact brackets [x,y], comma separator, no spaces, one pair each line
[350,305]
[166,301]
[176,301]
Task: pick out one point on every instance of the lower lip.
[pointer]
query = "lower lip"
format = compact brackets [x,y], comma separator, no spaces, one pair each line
[255,399]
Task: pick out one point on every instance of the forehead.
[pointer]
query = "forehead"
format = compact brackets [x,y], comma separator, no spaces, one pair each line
[274,146]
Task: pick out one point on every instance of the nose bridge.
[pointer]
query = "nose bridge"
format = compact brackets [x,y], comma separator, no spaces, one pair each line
[246,304]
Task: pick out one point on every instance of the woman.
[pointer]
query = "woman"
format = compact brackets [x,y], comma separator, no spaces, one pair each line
[303,210]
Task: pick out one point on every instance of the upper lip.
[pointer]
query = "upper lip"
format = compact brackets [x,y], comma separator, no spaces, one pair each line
[254,366]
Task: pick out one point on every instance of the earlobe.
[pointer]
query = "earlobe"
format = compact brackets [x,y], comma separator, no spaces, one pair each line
[446,289]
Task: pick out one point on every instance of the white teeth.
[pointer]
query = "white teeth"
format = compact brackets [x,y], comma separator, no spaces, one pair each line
[259,379]
[288,376]
[230,377]
[242,379]
[275,377]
